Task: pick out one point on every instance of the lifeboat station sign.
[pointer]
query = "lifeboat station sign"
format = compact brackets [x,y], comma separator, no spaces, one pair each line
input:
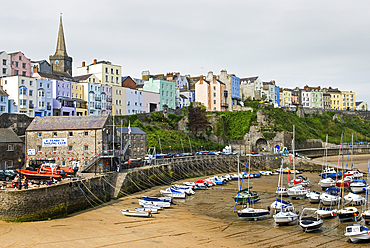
[54,142]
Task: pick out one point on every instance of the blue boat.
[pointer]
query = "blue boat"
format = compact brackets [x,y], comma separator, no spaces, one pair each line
[162,199]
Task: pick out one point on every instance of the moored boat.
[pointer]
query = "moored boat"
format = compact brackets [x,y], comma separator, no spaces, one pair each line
[252,213]
[135,213]
[310,223]
[348,214]
[41,175]
[357,233]
[354,200]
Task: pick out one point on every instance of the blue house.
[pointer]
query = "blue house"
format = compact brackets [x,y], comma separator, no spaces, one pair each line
[44,98]
[4,105]
[235,90]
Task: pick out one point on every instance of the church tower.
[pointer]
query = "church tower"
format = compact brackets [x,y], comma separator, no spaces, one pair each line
[61,63]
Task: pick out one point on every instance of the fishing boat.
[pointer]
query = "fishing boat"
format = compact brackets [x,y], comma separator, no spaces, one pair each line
[155,203]
[39,175]
[357,233]
[298,192]
[348,214]
[247,196]
[354,200]
[136,213]
[313,196]
[151,210]
[327,182]
[331,196]
[330,172]
[310,223]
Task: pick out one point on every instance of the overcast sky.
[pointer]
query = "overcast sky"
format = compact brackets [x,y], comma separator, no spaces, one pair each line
[295,43]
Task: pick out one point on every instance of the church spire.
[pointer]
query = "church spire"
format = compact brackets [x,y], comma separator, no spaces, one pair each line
[61,44]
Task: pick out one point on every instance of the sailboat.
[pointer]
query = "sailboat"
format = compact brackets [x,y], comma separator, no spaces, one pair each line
[248,212]
[297,192]
[366,214]
[284,214]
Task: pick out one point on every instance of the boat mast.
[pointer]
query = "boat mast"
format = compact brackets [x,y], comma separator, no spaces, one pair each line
[367,183]
[340,148]
[293,150]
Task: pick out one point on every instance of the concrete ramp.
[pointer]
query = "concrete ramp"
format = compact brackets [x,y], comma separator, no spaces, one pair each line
[117,182]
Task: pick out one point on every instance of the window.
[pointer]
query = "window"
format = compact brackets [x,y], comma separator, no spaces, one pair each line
[117,80]
[106,70]
[39,148]
[48,86]
[16,64]
[214,101]
[4,70]
[10,147]
[86,148]
[16,72]
[22,102]
[4,61]
[70,148]
[106,78]
[214,88]
[48,94]
[86,133]
[112,79]
[214,94]
[10,164]
[70,134]
[128,103]
[24,65]
[111,71]
[54,134]
[39,134]
[54,148]
[2,108]
[41,93]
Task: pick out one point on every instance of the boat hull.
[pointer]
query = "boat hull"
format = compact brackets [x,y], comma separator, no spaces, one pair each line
[312,226]
[129,213]
[250,213]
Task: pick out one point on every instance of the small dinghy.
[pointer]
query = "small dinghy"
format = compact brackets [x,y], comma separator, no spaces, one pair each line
[150,210]
[357,233]
[251,213]
[173,193]
[155,203]
[314,197]
[310,223]
[348,214]
[131,213]
[163,199]
[354,200]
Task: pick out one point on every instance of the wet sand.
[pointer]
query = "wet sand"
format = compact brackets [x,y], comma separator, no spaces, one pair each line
[205,219]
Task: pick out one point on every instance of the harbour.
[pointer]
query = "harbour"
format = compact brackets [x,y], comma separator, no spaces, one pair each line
[204,219]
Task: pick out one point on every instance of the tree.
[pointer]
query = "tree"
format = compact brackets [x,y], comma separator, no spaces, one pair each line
[197,119]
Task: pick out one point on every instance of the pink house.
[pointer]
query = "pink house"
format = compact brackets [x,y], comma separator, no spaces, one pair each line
[211,94]
[20,65]
[151,101]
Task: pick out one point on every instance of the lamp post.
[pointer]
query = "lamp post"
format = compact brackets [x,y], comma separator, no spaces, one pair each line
[19,162]
[170,150]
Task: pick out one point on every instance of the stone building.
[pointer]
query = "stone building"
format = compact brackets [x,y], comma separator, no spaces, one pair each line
[70,141]
[11,149]
[138,141]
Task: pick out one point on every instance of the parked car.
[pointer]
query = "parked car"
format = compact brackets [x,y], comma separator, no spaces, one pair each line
[7,175]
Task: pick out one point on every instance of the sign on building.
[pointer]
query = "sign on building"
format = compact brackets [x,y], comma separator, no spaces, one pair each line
[54,142]
[31,152]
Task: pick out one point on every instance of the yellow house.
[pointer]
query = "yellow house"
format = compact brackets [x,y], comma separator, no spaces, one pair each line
[287,97]
[77,94]
[335,98]
[348,100]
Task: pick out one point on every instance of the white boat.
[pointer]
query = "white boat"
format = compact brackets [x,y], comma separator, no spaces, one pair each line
[285,218]
[357,232]
[298,192]
[266,173]
[330,197]
[299,181]
[173,194]
[354,200]
[358,187]
[150,210]
[148,205]
[348,214]
[282,191]
[155,203]
[313,196]
[189,184]
[252,213]
[326,212]
[279,205]
[187,191]
[354,173]
[327,182]
[312,222]
[131,213]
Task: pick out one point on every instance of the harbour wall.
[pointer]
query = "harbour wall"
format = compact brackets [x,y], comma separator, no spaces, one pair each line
[68,197]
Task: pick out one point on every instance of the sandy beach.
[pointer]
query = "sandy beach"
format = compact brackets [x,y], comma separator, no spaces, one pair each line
[205,219]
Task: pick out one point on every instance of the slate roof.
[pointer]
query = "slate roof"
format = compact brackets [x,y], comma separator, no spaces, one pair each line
[82,77]
[46,75]
[9,136]
[54,123]
[3,93]
[251,79]
[124,78]
[134,130]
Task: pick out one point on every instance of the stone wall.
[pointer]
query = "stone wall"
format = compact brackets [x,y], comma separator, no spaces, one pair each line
[53,201]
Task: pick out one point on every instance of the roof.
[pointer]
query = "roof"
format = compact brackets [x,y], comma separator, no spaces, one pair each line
[124,78]
[3,93]
[82,77]
[134,130]
[54,123]
[358,103]
[251,79]
[220,82]
[9,136]
[46,75]
[41,61]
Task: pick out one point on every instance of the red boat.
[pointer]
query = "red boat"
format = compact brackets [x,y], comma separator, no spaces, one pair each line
[58,170]
[39,175]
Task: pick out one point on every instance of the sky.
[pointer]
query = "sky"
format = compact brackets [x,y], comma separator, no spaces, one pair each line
[295,43]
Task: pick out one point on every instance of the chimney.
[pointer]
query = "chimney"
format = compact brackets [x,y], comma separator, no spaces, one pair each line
[83,63]
[36,69]
[95,61]
[214,77]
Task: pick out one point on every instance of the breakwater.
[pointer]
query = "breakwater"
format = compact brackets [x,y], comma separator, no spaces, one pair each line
[73,196]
